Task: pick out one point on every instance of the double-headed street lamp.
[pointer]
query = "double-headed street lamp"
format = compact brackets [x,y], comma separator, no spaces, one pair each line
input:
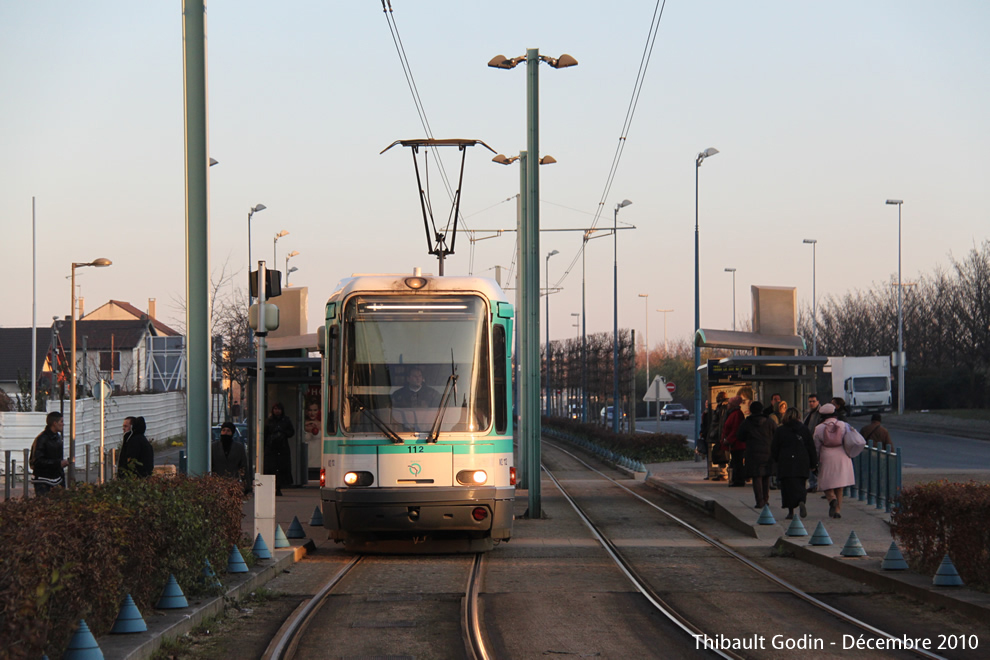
[529,266]
[284,232]
[900,313]
[254,209]
[733,271]
[665,312]
[707,153]
[550,254]
[813,242]
[646,310]
[294,253]
[99,263]
[615,314]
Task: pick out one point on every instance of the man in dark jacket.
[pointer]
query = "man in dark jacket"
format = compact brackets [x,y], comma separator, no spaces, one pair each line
[47,464]
[756,433]
[278,460]
[793,450]
[875,432]
[229,456]
[811,420]
[137,456]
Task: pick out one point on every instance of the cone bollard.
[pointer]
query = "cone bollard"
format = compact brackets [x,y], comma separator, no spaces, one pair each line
[947,575]
[893,560]
[295,529]
[820,537]
[129,619]
[172,596]
[83,645]
[317,519]
[796,528]
[853,548]
[209,576]
[235,562]
[766,517]
[280,539]
[260,548]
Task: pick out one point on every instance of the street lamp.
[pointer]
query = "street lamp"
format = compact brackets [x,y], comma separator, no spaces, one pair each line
[99,263]
[548,327]
[254,209]
[615,314]
[294,253]
[813,242]
[665,311]
[900,314]
[279,235]
[646,313]
[710,151]
[733,271]
[529,266]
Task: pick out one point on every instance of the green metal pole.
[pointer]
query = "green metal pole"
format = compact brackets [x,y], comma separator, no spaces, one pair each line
[531,314]
[522,476]
[197,238]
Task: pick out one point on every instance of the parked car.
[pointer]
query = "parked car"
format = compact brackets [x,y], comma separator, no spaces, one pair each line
[674,411]
[606,415]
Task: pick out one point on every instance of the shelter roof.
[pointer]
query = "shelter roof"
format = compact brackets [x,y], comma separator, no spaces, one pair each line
[748,341]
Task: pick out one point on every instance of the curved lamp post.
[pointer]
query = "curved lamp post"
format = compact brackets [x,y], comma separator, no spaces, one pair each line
[707,153]
[615,314]
[99,263]
[251,212]
[550,254]
[813,242]
[294,253]
[900,313]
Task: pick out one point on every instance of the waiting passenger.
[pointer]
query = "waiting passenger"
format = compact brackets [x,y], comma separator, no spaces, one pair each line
[415,394]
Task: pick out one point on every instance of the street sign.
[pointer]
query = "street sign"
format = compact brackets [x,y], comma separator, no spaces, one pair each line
[657,391]
[671,387]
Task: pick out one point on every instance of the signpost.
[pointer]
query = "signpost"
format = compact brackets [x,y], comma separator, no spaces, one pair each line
[659,391]
[671,387]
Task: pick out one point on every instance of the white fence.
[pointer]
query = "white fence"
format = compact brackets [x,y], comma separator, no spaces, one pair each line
[164,413]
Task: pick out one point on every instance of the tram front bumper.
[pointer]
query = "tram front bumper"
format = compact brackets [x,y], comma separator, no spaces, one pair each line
[417,510]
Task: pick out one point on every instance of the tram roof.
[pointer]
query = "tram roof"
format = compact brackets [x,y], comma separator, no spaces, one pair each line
[396,283]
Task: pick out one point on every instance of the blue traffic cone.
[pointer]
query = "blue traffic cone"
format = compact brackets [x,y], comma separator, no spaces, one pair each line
[209,576]
[853,548]
[317,519]
[893,560]
[129,619]
[260,548]
[796,528]
[295,529]
[766,517]
[820,537]
[947,575]
[83,645]
[235,562]
[172,596]
[280,539]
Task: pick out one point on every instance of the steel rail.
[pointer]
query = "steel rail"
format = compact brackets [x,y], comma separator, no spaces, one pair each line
[284,644]
[848,618]
[474,640]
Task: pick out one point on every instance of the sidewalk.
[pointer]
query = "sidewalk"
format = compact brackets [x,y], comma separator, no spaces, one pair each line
[734,507]
[170,624]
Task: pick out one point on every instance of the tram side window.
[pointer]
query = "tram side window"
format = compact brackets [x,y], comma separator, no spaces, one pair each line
[330,407]
[501,384]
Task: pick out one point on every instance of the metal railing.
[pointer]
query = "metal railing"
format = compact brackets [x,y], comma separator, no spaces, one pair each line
[16,475]
[878,476]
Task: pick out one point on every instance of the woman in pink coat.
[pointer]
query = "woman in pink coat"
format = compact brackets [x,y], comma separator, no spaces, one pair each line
[835,469]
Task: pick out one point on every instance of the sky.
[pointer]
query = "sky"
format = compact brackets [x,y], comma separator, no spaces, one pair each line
[820,112]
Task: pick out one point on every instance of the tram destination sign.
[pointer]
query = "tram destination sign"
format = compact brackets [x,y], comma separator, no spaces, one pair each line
[722,372]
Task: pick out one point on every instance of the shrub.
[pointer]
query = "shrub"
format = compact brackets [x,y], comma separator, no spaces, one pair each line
[75,554]
[642,447]
[939,518]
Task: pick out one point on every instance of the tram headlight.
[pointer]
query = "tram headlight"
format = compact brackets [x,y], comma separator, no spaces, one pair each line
[415,282]
[359,478]
[472,477]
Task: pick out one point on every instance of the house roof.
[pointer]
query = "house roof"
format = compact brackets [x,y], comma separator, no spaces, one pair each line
[123,335]
[15,352]
[128,308]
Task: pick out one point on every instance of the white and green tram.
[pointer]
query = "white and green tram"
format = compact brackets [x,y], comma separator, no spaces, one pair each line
[417,413]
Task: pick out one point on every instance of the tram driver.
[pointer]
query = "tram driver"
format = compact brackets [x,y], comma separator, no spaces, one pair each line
[415,394]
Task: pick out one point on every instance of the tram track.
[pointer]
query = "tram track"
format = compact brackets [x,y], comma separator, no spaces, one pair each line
[286,643]
[681,621]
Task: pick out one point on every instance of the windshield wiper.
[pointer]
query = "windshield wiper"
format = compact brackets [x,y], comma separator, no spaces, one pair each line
[447,391]
[376,420]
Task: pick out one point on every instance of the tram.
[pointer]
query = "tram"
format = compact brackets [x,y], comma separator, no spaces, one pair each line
[417,414]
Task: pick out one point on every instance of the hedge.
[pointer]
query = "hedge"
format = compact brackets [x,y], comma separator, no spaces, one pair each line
[75,554]
[939,518]
[642,447]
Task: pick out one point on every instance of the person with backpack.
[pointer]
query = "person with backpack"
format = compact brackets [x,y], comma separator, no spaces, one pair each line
[47,464]
[835,468]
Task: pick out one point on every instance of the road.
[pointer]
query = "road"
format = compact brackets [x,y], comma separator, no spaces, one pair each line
[921,450]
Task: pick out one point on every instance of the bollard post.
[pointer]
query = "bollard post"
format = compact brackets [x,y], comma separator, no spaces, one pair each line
[113,462]
[183,462]
[27,465]
[6,474]
[86,472]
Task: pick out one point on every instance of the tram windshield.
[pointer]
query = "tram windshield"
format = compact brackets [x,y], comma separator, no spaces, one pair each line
[416,365]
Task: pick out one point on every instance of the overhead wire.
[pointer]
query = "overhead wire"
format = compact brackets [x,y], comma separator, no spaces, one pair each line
[626,126]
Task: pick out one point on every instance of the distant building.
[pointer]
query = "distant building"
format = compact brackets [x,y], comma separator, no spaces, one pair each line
[15,356]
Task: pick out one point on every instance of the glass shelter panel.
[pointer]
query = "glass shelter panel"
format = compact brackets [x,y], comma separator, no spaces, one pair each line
[415,365]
